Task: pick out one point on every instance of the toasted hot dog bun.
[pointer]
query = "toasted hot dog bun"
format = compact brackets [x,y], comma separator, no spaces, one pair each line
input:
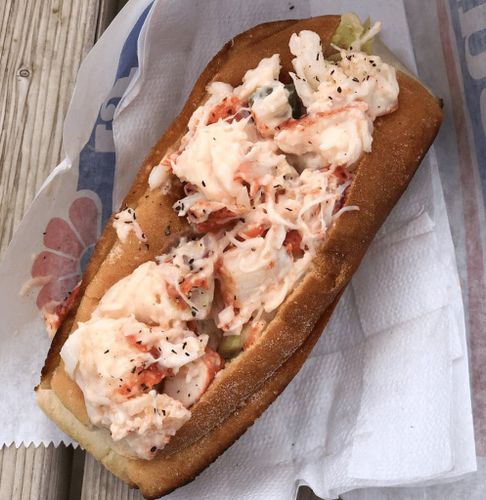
[250,382]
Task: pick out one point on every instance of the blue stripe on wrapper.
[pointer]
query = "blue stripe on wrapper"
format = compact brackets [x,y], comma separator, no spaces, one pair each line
[469,22]
[97,159]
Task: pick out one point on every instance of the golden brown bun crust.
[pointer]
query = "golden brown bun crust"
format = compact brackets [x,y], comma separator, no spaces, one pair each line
[400,141]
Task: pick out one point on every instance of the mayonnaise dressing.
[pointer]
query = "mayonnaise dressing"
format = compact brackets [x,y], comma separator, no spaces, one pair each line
[125,222]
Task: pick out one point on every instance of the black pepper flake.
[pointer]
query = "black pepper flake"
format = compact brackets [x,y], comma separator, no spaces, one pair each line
[173,351]
[187,354]
[107,351]
[332,72]
[317,56]
[133,369]
[139,342]
[292,7]
[355,80]
[44,233]
[317,78]
[128,222]
[189,395]
[289,209]
[153,449]
[184,345]
[339,89]
[163,413]
[329,97]
[203,183]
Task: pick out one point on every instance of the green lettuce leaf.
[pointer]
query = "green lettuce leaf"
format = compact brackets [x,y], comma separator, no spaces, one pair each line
[350,30]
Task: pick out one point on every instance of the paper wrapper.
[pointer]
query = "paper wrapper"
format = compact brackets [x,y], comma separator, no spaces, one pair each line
[384,398]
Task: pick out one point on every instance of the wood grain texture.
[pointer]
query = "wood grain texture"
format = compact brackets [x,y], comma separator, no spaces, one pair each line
[35,473]
[42,43]
[101,484]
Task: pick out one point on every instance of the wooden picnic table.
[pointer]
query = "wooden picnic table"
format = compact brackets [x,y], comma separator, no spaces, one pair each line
[42,45]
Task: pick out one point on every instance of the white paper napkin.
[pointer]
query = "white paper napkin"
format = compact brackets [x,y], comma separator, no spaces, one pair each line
[384,396]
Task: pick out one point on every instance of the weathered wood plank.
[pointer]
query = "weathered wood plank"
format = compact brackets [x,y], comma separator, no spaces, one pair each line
[100,484]
[42,43]
[41,46]
[34,473]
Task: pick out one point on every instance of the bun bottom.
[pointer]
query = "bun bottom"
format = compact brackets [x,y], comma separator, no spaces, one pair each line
[164,474]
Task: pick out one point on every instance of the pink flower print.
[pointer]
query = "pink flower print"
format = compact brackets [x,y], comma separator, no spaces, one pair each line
[69,244]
